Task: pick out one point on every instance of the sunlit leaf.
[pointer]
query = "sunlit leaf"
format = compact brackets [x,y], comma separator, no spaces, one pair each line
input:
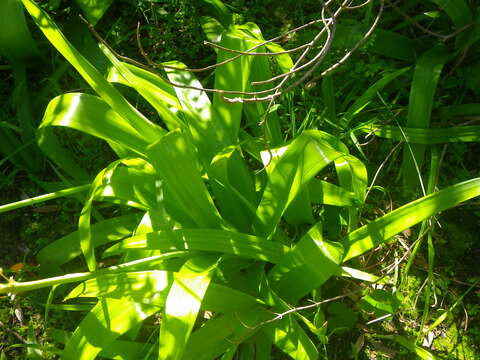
[186,195]
[426,136]
[183,304]
[68,247]
[234,189]
[310,264]
[147,287]
[229,242]
[109,319]
[289,337]
[218,334]
[91,75]
[382,229]
[297,164]
[130,182]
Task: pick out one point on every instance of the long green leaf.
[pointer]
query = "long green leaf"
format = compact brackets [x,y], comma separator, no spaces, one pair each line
[228,242]
[352,175]
[16,42]
[384,42]
[92,116]
[43,198]
[234,189]
[425,78]
[231,76]
[91,75]
[457,10]
[130,182]
[183,304]
[289,337]
[217,335]
[323,192]
[261,70]
[17,45]
[460,110]
[124,349]
[68,247]
[147,287]
[382,229]
[297,165]
[426,136]
[109,319]
[164,92]
[16,286]
[310,264]
[186,195]
[411,346]
[205,129]
[220,298]
[222,14]
[155,90]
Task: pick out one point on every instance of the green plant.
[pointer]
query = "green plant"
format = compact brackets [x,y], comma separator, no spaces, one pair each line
[226,238]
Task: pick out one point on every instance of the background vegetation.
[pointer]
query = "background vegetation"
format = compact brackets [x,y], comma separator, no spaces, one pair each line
[237,239]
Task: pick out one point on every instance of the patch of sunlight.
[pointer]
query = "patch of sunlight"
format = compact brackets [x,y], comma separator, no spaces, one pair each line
[322,154]
[66,120]
[267,156]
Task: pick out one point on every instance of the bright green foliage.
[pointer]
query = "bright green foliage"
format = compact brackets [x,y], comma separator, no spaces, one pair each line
[207,243]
